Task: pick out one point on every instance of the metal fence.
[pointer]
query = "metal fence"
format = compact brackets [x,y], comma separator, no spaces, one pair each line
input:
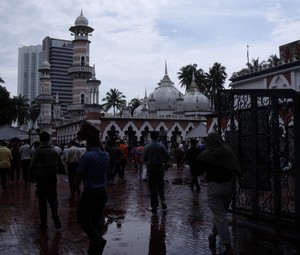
[263,127]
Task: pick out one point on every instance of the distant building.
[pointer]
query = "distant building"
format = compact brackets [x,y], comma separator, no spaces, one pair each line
[166,109]
[30,59]
[284,74]
[59,54]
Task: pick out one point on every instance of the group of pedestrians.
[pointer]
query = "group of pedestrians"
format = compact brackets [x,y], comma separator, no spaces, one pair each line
[95,167]
[118,154]
[220,165]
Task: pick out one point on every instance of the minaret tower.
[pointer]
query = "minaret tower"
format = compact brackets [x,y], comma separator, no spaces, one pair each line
[45,99]
[56,112]
[93,85]
[80,71]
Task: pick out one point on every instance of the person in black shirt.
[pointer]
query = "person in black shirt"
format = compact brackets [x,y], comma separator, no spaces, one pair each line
[191,157]
[220,164]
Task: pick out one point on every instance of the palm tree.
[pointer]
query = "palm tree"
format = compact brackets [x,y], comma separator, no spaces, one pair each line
[255,65]
[35,110]
[273,59]
[186,75]
[1,80]
[215,79]
[114,99]
[135,103]
[6,106]
[21,107]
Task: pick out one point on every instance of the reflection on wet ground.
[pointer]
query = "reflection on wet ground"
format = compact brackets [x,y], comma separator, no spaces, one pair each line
[129,226]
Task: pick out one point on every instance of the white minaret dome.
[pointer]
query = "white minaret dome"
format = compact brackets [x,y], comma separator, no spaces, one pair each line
[45,65]
[81,20]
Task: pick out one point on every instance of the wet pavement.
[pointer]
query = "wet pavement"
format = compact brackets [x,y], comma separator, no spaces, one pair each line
[130,227]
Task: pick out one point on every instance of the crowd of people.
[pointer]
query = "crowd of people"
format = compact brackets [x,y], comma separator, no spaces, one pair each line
[94,166]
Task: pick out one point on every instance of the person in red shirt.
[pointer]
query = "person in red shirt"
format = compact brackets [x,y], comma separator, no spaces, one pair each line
[141,164]
[124,159]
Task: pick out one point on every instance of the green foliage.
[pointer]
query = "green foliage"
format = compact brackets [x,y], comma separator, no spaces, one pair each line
[35,110]
[6,107]
[22,109]
[114,99]
[208,83]
[135,103]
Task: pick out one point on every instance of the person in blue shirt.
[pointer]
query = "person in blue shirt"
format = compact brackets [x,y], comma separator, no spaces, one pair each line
[156,156]
[92,171]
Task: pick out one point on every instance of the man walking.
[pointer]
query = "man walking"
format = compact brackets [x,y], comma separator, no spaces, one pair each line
[5,158]
[45,164]
[123,160]
[25,156]
[92,171]
[73,156]
[155,156]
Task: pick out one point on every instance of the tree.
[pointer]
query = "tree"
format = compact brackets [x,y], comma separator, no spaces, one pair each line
[273,59]
[135,103]
[114,99]
[215,79]
[190,72]
[1,80]
[6,106]
[21,109]
[35,110]
[255,64]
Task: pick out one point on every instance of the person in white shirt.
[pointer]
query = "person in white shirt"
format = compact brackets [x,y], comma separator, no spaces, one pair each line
[73,156]
[25,157]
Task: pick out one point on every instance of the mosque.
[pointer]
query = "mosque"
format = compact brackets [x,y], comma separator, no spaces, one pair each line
[166,109]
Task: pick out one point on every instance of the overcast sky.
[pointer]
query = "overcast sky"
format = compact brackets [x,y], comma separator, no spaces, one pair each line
[132,39]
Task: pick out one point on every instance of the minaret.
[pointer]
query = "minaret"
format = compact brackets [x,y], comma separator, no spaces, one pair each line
[80,71]
[56,114]
[93,85]
[145,109]
[45,99]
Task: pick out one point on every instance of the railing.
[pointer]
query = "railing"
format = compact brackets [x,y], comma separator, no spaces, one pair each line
[263,127]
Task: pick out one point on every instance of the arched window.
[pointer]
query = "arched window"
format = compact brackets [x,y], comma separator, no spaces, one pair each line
[82,98]
[82,61]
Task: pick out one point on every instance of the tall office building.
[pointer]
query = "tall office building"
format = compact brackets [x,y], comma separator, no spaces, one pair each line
[30,59]
[59,53]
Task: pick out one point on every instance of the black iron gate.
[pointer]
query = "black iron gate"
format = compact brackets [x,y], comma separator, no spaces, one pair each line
[263,127]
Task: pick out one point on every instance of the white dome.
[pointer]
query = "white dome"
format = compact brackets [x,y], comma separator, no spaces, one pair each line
[138,111]
[165,95]
[45,65]
[195,101]
[81,20]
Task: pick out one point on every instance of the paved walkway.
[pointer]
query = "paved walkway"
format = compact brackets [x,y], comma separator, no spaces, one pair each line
[130,228]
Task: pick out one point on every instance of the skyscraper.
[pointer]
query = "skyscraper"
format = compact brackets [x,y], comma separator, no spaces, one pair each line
[59,53]
[29,60]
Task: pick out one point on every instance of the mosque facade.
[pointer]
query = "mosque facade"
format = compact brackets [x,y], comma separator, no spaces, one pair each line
[166,109]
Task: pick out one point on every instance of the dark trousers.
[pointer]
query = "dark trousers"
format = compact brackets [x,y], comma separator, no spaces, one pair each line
[195,181]
[72,170]
[90,212]
[14,171]
[3,175]
[156,182]
[115,169]
[47,192]
[25,163]
[123,165]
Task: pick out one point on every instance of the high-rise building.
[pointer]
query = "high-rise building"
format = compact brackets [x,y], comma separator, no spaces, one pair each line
[30,59]
[59,53]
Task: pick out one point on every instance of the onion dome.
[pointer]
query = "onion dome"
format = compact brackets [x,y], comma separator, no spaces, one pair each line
[165,94]
[81,20]
[194,100]
[138,111]
[45,65]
